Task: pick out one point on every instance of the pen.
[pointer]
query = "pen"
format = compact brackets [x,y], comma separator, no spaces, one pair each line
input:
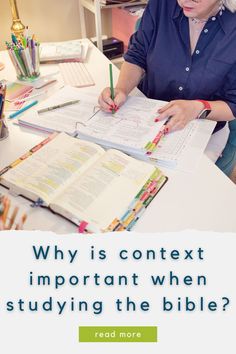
[58,106]
[111,85]
[14,39]
[168,119]
[13,115]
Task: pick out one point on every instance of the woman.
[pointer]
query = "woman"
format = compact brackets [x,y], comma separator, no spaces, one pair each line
[183,52]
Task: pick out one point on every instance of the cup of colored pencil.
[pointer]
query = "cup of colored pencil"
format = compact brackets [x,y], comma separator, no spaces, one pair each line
[7,218]
[24,54]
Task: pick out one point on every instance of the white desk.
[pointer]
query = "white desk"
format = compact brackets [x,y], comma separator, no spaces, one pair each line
[205,200]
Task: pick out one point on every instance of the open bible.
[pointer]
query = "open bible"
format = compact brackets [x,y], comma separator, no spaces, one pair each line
[98,190]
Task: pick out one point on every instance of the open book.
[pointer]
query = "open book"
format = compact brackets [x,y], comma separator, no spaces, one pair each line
[97,190]
[53,52]
[131,129]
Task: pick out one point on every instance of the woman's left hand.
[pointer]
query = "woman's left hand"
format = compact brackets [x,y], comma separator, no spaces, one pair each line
[181,112]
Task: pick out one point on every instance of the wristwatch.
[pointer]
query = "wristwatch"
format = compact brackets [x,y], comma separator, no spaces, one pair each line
[206,110]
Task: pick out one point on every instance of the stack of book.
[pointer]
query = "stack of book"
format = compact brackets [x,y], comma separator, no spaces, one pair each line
[58,52]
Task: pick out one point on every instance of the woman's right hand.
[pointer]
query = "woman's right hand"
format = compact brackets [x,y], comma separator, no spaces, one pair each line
[107,104]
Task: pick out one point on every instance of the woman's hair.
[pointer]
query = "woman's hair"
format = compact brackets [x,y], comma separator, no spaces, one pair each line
[230,4]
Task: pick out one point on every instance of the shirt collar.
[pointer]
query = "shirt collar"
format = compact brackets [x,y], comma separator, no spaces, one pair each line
[227,20]
[177,11]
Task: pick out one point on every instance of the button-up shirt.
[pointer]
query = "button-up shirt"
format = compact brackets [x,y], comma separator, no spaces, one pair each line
[161,46]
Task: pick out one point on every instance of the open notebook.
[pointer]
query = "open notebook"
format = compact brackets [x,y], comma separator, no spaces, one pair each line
[130,129]
[97,190]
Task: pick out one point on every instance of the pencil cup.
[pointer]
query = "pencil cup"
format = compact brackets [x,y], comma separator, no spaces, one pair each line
[3,129]
[28,78]
[25,61]
[30,74]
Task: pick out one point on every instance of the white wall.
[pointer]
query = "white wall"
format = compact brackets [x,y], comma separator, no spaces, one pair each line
[50,20]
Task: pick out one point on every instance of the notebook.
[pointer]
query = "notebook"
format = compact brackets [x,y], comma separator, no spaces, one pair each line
[131,129]
[53,52]
[98,190]
[16,91]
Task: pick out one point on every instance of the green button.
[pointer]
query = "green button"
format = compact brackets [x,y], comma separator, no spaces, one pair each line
[117,334]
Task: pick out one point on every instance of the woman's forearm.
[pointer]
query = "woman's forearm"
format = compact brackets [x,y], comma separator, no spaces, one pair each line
[131,74]
[129,78]
[220,111]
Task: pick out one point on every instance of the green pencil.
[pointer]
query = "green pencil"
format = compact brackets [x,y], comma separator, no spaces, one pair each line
[111,85]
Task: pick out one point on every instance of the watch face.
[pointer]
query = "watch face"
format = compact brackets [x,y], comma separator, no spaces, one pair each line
[204,114]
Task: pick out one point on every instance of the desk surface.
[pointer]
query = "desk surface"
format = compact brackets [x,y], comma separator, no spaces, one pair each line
[204,200]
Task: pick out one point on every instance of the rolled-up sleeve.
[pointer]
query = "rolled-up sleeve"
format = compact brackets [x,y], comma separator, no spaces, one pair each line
[228,90]
[140,40]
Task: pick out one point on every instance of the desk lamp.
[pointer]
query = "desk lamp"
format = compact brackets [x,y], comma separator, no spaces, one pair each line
[17,26]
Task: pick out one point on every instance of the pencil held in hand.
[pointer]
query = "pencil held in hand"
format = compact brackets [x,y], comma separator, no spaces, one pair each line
[7,220]
[111,82]
[111,85]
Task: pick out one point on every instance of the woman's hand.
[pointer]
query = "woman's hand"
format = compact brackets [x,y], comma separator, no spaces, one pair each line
[107,104]
[181,112]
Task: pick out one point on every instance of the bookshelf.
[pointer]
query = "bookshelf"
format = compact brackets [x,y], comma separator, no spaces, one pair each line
[95,6]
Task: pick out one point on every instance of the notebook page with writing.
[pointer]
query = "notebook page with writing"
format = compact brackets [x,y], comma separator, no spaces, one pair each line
[129,129]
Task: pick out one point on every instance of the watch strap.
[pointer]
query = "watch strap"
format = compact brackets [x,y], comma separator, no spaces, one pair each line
[206,104]
[205,111]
